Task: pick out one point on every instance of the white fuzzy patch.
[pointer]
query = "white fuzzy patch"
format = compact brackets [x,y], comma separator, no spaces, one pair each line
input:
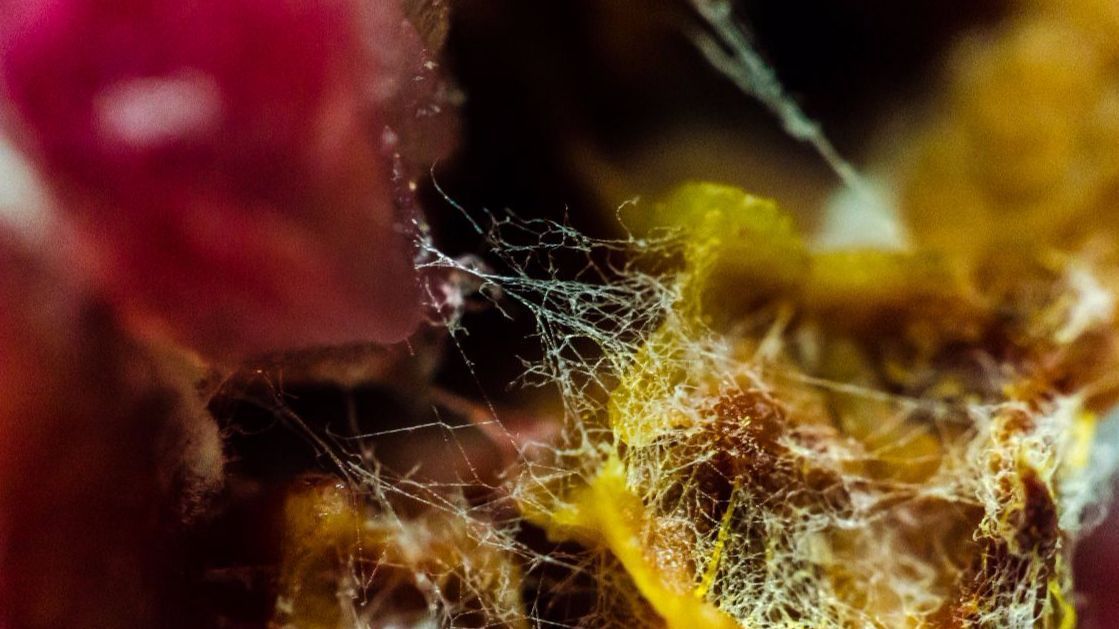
[150,111]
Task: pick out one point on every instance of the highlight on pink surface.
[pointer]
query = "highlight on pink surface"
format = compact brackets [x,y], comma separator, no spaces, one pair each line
[232,168]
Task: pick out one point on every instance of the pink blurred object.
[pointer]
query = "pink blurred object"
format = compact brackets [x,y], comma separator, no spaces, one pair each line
[1096,571]
[236,170]
[104,450]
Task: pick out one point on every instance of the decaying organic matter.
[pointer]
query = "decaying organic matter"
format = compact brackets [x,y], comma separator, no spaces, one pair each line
[771,434]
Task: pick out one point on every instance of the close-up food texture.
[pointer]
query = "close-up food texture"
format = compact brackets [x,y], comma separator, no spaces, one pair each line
[605,313]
